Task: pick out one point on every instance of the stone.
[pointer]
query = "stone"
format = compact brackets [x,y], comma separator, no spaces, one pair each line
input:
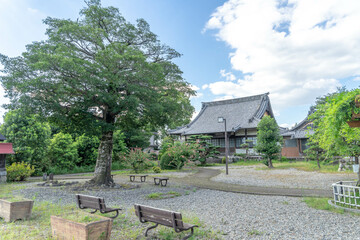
[44,177]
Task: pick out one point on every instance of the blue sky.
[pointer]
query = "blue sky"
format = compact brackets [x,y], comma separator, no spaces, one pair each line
[296,50]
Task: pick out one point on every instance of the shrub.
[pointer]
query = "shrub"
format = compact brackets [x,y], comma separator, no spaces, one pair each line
[156,169]
[138,160]
[19,171]
[176,156]
[153,156]
[223,160]
[283,159]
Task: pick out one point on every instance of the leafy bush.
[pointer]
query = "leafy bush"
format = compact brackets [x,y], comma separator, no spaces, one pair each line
[177,155]
[223,160]
[138,160]
[19,171]
[63,151]
[156,169]
[283,159]
[153,156]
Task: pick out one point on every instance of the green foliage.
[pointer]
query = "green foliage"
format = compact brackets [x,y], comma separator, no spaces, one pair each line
[63,152]
[30,138]
[166,143]
[153,156]
[19,171]
[176,156]
[333,136]
[203,148]
[223,160]
[99,73]
[119,146]
[283,159]
[156,169]
[87,148]
[137,160]
[268,140]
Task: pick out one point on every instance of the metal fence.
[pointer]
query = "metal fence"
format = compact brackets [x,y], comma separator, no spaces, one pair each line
[346,194]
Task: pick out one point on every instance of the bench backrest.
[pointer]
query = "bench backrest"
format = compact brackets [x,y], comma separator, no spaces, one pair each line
[85,201]
[157,215]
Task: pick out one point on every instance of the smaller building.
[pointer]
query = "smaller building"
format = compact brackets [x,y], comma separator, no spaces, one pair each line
[5,149]
[296,138]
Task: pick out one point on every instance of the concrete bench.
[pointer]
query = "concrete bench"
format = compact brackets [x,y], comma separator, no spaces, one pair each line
[142,177]
[161,180]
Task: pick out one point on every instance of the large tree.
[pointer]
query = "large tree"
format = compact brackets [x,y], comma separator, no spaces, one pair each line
[99,72]
[268,140]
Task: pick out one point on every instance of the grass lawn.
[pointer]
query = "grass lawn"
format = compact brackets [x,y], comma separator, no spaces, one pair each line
[125,226]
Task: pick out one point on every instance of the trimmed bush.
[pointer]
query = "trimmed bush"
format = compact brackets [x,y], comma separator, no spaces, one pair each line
[156,169]
[176,156]
[138,160]
[19,171]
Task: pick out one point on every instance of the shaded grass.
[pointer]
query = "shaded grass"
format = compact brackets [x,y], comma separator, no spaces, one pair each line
[125,226]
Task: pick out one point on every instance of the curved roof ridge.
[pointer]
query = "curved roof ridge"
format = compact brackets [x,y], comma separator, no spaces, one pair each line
[200,113]
[235,100]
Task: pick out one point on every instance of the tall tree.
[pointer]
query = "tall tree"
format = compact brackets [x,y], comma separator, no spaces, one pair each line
[268,139]
[99,72]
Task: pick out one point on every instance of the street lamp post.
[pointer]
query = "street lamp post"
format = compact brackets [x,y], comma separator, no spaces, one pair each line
[220,120]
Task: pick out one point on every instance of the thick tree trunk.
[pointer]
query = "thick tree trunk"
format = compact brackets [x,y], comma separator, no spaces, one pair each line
[102,173]
[270,163]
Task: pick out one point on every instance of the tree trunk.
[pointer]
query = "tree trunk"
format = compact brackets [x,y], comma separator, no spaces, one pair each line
[358,173]
[317,159]
[102,173]
[270,163]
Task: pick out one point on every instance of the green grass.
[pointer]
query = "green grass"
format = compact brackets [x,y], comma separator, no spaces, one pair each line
[247,163]
[126,226]
[321,204]
[170,194]
[309,166]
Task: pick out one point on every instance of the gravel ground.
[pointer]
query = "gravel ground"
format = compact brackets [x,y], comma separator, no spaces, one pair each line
[237,216]
[286,178]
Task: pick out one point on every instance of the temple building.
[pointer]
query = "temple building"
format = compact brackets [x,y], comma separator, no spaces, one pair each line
[240,116]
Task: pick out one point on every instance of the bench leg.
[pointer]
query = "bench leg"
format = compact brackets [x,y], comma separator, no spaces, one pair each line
[117,214]
[163,185]
[156,183]
[94,211]
[150,228]
[132,178]
[188,236]
[142,178]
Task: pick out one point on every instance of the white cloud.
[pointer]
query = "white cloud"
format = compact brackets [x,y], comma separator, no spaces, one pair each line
[296,50]
[227,75]
[193,87]
[205,86]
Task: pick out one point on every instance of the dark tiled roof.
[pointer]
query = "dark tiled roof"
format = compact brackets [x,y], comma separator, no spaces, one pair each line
[2,138]
[301,130]
[239,113]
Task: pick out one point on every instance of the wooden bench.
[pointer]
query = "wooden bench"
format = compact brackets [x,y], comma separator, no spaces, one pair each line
[142,177]
[162,180]
[96,203]
[163,217]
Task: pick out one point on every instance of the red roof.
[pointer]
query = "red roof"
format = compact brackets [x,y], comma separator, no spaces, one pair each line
[6,148]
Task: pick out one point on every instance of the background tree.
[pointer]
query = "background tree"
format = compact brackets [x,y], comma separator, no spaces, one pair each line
[96,73]
[335,134]
[268,140]
[63,152]
[30,138]
[87,148]
[203,148]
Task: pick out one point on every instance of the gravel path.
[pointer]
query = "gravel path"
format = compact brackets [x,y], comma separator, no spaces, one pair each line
[285,178]
[237,216]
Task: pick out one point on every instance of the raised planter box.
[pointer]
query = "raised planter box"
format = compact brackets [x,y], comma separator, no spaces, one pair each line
[65,229]
[14,210]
